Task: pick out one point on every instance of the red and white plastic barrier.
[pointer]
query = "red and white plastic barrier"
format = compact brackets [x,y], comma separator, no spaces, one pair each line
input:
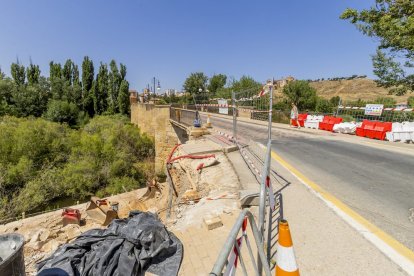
[402,132]
[312,121]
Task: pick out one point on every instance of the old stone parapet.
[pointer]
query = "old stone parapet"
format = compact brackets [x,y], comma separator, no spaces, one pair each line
[155,121]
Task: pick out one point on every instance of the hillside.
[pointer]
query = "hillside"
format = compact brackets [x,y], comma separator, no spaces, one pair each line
[351,90]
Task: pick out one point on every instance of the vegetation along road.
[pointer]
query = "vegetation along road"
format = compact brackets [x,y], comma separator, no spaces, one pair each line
[374,182]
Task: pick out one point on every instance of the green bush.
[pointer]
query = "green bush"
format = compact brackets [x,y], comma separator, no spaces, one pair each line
[62,112]
[347,118]
[324,106]
[43,161]
[410,101]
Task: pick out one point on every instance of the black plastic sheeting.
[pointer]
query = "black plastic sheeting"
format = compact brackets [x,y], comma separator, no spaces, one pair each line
[127,247]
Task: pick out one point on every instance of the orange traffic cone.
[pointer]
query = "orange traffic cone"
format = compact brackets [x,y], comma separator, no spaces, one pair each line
[208,121]
[285,256]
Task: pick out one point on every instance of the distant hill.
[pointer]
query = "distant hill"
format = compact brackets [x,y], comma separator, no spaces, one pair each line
[351,90]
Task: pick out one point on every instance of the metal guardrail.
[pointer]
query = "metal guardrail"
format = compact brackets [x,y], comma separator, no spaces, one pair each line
[183,116]
[231,244]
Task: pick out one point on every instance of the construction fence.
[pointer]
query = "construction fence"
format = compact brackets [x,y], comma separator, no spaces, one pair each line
[378,110]
[250,105]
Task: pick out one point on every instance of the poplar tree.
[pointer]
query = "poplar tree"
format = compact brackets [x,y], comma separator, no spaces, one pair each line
[114,85]
[87,82]
[55,70]
[123,97]
[68,71]
[75,74]
[18,73]
[101,91]
[87,74]
[33,74]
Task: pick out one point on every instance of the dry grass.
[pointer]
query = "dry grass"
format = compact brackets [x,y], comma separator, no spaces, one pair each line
[351,90]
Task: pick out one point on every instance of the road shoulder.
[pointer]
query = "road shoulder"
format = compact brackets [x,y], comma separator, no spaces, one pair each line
[325,229]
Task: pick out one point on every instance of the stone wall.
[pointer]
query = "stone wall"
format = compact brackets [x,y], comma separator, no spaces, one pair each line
[155,121]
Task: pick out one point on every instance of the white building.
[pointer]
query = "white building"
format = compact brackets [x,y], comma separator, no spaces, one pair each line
[170,92]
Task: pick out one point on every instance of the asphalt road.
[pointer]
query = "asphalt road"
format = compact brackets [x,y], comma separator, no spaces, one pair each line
[376,183]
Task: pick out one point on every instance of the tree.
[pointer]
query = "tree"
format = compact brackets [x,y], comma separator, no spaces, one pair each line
[62,112]
[123,97]
[88,75]
[123,71]
[101,90]
[33,74]
[6,98]
[245,83]
[2,75]
[18,73]
[29,100]
[324,106]
[335,100]
[216,82]
[391,22]
[55,70]
[67,71]
[194,82]
[114,86]
[75,74]
[301,94]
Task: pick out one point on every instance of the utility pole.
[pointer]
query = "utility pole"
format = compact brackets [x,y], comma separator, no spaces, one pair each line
[233,102]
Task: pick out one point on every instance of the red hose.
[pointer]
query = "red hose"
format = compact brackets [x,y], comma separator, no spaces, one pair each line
[172,152]
[192,157]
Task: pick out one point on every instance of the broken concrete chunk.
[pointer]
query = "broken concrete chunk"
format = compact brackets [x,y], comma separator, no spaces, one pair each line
[191,195]
[44,235]
[213,222]
[153,210]
[71,231]
[35,245]
[51,245]
[35,236]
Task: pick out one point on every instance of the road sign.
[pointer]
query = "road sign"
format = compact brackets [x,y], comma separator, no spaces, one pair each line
[374,109]
[223,106]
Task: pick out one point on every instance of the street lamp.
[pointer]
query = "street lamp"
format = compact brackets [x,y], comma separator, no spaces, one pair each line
[203,98]
[158,86]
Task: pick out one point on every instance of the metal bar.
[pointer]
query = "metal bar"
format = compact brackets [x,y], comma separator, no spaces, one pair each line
[241,258]
[269,235]
[281,207]
[249,247]
[258,239]
[228,245]
[262,199]
[266,169]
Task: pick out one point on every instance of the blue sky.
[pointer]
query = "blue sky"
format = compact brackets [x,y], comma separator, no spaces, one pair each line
[169,39]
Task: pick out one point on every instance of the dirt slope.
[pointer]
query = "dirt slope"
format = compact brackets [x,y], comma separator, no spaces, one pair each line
[350,90]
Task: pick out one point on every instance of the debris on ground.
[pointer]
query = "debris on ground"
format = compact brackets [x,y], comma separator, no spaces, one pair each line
[127,247]
[202,188]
